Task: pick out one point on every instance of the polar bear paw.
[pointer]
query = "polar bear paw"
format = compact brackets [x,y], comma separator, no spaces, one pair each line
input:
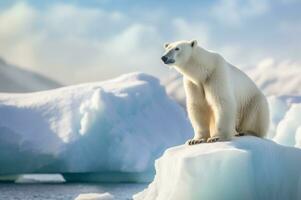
[239,134]
[213,139]
[196,141]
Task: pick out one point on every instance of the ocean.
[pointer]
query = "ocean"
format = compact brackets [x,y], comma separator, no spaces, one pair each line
[65,191]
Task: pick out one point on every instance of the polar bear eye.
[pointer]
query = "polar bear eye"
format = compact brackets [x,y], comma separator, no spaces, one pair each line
[177,49]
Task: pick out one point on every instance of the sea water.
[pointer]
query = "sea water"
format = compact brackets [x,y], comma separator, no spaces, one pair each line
[65,191]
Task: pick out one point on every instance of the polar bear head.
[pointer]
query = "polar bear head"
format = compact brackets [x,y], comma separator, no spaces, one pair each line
[178,53]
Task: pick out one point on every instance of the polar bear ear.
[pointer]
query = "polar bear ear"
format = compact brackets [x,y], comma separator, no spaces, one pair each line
[166,45]
[193,43]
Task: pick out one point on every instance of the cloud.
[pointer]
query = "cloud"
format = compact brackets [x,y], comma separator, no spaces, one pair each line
[16,26]
[16,20]
[90,43]
[73,43]
[77,44]
[234,12]
[190,30]
[80,21]
[285,2]
[277,77]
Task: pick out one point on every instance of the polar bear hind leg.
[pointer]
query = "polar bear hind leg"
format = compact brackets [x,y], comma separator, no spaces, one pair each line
[255,120]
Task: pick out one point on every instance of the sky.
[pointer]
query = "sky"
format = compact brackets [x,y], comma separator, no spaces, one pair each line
[89,40]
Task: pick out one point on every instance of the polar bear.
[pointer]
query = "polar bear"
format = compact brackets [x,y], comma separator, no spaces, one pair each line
[222,101]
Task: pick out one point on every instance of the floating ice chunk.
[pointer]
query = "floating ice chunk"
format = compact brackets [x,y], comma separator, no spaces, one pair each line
[95,196]
[40,178]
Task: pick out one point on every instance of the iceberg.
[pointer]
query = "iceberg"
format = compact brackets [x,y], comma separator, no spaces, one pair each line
[246,168]
[95,196]
[112,127]
[285,124]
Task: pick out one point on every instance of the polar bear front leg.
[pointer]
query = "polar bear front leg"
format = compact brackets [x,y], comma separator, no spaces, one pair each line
[197,110]
[198,116]
[221,100]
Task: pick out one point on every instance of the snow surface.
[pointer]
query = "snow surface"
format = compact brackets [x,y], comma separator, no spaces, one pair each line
[246,168]
[121,125]
[95,196]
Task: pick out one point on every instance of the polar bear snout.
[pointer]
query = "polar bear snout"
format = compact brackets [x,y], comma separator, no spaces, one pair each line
[164,59]
[167,60]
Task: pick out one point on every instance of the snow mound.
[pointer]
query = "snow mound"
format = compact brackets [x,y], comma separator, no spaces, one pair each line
[285,126]
[121,125]
[95,196]
[246,168]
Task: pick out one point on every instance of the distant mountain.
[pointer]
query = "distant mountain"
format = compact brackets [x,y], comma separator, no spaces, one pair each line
[15,79]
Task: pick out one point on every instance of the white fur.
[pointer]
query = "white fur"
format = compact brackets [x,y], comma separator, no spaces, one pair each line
[221,100]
